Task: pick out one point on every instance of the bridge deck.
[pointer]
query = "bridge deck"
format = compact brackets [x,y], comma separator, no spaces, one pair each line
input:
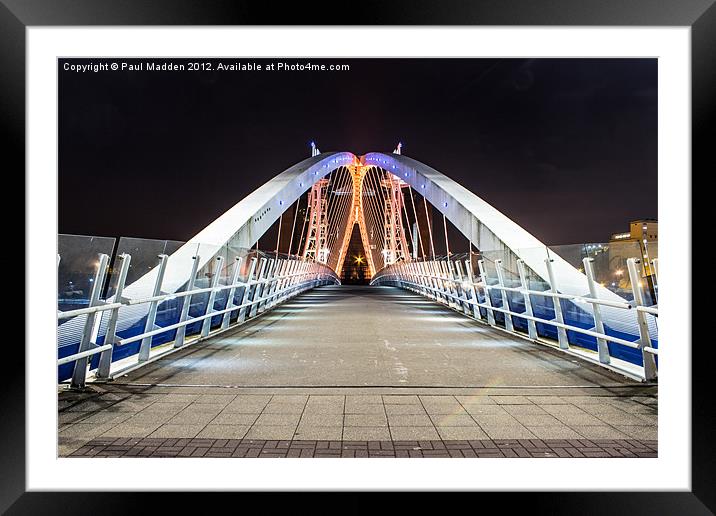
[370,336]
[363,364]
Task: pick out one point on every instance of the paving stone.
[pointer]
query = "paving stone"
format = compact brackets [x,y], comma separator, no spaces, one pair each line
[377,433]
[271,432]
[548,400]
[278,419]
[477,399]
[319,432]
[638,432]
[579,419]
[413,432]
[124,430]
[169,430]
[409,420]
[284,408]
[401,400]
[453,420]
[235,418]
[215,399]
[599,432]
[321,419]
[496,420]
[538,420]
[370,420]
[488,410]
[500,432]
[511,400]
[521,410]
[248,404]
[301,399]
[408,409]
[622,419]
[461,432]
[369,399]
[374,409]
[224,431]
[554,432]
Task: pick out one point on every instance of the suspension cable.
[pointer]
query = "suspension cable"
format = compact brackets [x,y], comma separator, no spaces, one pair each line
[430,230]
[415,212]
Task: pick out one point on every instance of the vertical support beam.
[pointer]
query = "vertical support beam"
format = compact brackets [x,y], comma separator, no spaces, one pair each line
[602,347]
[105,358]
[186,305]
[655,269]
[206,324]
[650,372]
[146,345]
[232,293]
[531,325]
[79,375]
[509,326]
[247,291]
[561,332]
[258,288]
[488,299]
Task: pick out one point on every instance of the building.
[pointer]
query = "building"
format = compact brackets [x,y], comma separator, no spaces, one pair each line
[641,241]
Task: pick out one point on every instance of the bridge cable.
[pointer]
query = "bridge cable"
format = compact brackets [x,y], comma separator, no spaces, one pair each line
[293,228]
[430,230]
[305,218]
[420,235]
[372,212]
[447,245]
[407,220]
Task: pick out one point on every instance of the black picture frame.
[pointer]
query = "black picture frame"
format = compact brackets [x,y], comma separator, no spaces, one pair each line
[699,15]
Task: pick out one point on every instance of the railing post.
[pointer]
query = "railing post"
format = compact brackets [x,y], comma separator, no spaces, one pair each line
[105,358]
[232,293]
[531,326]
[561,332]
[462,291]
[650,372]
[79,375]
[273,291]
[258,288]
[473,291]
[146,345]
[655,268]
[602,347]
[488,299]
[247,291]
[186,305]
[206,324]
[509,326]
[266,287]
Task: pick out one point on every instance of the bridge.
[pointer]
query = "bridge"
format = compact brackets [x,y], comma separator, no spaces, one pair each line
[349,335]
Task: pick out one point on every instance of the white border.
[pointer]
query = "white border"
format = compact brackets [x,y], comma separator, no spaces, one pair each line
[670,471]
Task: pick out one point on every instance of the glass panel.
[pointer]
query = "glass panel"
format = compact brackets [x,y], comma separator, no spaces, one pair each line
[79,259]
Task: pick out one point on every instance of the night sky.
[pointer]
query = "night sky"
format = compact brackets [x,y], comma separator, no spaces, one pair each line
[565,147]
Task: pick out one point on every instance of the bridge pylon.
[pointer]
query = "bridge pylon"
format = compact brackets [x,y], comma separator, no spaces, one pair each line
[315,248]
[396,245]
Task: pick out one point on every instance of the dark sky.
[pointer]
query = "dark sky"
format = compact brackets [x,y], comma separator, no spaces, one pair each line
[565,147]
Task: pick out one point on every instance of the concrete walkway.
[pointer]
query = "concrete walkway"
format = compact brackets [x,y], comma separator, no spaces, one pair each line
[362,365]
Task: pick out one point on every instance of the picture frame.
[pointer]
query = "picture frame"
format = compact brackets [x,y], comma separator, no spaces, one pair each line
[699,15]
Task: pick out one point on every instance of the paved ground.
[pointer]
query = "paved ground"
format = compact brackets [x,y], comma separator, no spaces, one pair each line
[363,372]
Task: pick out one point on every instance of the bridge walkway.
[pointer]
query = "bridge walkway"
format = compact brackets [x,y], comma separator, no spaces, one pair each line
[359,363]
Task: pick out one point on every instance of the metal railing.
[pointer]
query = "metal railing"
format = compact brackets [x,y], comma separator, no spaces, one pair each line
[269,282]
[444,281]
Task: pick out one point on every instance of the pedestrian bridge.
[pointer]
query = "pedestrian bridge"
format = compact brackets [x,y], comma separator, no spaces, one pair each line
[499,308]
